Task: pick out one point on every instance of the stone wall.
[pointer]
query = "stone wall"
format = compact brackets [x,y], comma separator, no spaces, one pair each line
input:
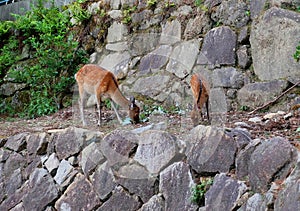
[244,49]
[78,169]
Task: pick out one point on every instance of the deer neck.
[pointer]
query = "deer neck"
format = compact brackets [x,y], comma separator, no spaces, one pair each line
[119,98]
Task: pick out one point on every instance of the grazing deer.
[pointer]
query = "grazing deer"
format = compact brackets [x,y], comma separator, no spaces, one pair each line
[200,89]
[95,80]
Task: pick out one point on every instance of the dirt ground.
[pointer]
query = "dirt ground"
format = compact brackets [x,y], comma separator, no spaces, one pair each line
[178,125]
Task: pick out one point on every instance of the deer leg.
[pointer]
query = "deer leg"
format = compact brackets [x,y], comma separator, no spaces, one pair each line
[98,99]
[81,101]
[207,109]
[116,111]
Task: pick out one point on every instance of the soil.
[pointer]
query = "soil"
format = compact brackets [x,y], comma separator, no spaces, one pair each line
[178,125]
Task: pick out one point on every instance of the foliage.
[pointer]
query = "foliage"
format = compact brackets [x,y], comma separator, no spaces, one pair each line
[151,3]
[127,14]
[78,13]
[244,108]
[55,58]
[297,53]
[201,5]
[198,192]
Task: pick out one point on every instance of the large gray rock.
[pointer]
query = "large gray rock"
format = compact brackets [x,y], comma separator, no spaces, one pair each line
[256,7]
[243,159]
[224,193]
[9,89]
[117,63]
[227,77]
[37,143]
[137,180]
[78,196]
[120,199]
[210,150]
[156,203]
[255,202]
[171,32]
[69,142]
[288,197]
[156,149]
[143,43]
[116,32]
[219,47]
[232,12]
[17,142]
[155,60]
[273,41]
[103,181]
[176,185]
[183,58]
[151,86]
[199,25]
[257,94]
[91,156]
[272,160]
[217,106]
[40,181]
[118,146]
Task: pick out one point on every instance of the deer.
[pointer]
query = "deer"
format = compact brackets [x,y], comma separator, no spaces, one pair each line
[200,89]
[95,80]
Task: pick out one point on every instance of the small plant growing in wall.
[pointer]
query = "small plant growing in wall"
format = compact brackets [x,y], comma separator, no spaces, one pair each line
[297,53]
[198,192]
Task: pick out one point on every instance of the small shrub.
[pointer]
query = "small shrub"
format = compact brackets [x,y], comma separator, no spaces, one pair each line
[198,192]
[297,53]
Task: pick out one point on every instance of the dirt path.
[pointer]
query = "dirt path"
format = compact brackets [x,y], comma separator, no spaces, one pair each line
[179,125]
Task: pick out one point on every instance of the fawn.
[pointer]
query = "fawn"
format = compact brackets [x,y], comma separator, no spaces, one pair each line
[95,80]
[200,89]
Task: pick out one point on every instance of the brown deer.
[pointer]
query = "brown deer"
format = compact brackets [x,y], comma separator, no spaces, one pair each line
[200,89]
[95,80]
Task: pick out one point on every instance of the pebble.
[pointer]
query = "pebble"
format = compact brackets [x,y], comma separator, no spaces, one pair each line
[255,119]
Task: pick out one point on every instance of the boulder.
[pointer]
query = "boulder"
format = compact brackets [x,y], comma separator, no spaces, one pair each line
[121,198]
[117,63]
[69,142]
[243,159]
[40,181]
[137,180]
[218,197]
[151,86]
[218,47]
[17,142]
[210,150]
[183,58]
[156,149]
[255,202]
[227,77]
[272,160]
[37,143]
[103,181]
[259,93]
[118,146]
[155,203]
[288,196]
[273,41]
[171,32]
[155,60]
[176,184]
[91,157]
[78,196]
[232,12]
[217,106]
[116,32]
